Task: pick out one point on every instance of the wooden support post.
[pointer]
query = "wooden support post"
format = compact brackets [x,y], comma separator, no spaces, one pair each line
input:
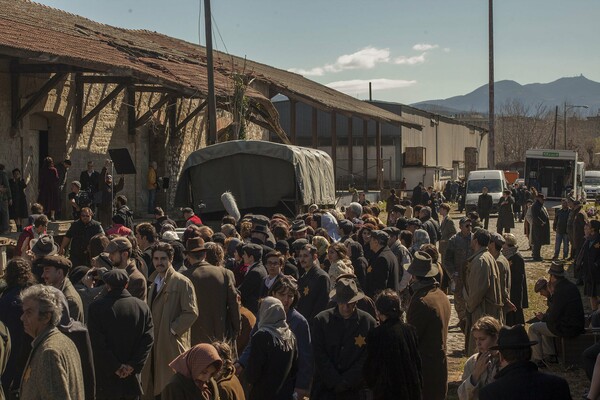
[350,146]
[315,142]
[78,106]
[172,117]
[148,114]
[334,142]
[191,116]
[365,154]
[131,110]
[378,149]
[15,99]
[293,120]
[103,103]
[37,96]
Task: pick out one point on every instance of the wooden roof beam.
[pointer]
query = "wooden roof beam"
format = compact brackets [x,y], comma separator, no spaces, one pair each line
[50,84]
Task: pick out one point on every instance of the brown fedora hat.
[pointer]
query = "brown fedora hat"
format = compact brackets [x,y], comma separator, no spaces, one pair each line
[422,265]
[346,291]
[195,245]
[557,268]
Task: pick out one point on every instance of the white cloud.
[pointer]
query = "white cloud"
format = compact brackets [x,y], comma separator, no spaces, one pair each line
[420,59]
[424,46]
[446,49]
[355,86]
[366,58]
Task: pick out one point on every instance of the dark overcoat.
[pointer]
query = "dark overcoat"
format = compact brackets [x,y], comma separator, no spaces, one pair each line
[429,313]
[314,287]
[506,218]
[565,316]
[485,203]
[518,290]
[522,381]
[540,227]
[251,287]
[121,332]
[383,273]
[339,347]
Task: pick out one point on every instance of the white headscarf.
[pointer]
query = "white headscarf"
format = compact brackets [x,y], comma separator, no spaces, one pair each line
[272,319]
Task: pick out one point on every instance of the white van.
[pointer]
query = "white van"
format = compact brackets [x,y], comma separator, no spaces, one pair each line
[493,179]
[591,184]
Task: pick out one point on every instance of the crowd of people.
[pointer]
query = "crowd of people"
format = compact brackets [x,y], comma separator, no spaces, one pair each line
[333,304]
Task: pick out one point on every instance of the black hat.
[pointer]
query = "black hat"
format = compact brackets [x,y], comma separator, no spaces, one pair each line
[512,338]
[414,221]
[345,224]
[557,268]
[260,229]
[398,208]
[299,226]
[497,239]
[595,225]
[540,284]
[422,265]
[194,245]
[299,244]
[254,250]
[116,278]
[77,273]
[56,262]
[391,231]
[45,246]
[346,291]
[282,246]
[259,220]
[380,235]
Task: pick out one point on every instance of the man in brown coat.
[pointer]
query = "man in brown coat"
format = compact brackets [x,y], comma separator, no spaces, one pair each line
[429,313]
[482,291]
[218,309]
[119,250]
[172,300]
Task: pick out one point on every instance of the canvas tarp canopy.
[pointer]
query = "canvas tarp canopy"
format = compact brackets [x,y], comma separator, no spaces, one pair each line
[259,174]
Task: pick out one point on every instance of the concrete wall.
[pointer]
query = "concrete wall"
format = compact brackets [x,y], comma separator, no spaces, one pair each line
[54,114]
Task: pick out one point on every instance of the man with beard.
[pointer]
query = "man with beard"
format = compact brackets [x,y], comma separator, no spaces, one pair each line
[79,235]
[119,250]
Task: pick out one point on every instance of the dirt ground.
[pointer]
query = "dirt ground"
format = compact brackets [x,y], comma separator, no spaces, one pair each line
[578,382]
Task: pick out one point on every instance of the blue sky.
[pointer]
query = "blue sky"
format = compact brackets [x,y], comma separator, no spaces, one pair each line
[412,50]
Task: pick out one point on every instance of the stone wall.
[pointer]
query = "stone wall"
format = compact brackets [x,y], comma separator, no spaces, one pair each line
[54,115]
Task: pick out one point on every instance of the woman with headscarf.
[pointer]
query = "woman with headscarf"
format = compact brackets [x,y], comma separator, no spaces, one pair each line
[49,193]
[273,354]
[359,262]
[321,243]
[340,262]
[420,237]
[392,369]
[194,372]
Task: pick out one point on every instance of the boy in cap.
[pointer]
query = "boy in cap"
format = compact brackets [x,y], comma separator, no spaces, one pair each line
[119,250]
[55,271]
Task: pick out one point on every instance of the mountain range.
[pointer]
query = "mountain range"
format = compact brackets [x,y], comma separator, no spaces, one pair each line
[573,90]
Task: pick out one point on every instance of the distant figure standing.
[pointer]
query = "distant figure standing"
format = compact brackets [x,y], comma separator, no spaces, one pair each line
[484,207]
[49,196]
[540,227]
[506,218]
[18,210]
[403,187]
[90,180]
[152,185]
[5,200]
[417,194]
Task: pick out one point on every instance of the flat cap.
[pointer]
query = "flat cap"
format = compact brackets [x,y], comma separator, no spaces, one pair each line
[116,278]
[414,221]
[259,220]
[379,235]
[55,261]
[345,224]
[497,239]
[282,246]
[118,244]
[541,284]
[392,231]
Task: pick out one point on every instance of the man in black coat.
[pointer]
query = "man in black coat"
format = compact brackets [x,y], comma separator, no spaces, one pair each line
[430,225]
[485,203]
[121,332]
[417,194]
[540,227]
[339,345]
[564,317]
[251,287]
[78,237]
[314,285]
[384,272]
[519,378]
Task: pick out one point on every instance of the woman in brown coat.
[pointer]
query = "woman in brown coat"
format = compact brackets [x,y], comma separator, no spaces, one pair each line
[228,383]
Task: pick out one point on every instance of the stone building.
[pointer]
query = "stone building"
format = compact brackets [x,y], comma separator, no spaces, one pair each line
[74,88]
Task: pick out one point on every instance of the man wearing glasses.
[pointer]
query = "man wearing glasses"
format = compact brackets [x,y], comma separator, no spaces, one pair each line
[455,262]
[79,235]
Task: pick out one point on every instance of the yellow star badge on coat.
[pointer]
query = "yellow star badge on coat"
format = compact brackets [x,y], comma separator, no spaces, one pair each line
[369,269]
[597,245]
[360,341]
[306,290]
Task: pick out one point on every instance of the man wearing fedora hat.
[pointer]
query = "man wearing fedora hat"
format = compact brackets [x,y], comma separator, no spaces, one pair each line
[339,345]
[55,271]
[429,312]
[564,318]
[519,378]
[218,308]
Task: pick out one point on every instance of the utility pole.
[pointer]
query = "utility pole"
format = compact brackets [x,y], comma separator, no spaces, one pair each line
[210,101]
[555,125]
[491,137]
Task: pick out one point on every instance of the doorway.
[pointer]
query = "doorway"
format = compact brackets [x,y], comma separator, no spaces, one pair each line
[43,150]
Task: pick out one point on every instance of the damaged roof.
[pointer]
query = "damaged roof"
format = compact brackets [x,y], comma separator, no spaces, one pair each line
[43,34]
